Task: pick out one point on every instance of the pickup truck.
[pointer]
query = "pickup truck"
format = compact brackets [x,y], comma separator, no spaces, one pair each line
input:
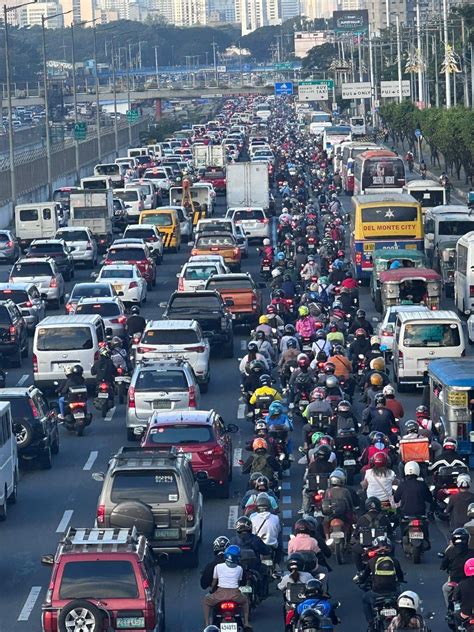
[242,291]
[211,312]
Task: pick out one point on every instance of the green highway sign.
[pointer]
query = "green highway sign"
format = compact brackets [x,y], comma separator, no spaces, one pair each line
[319,82]
[284,66]
[80,131]
[132,115]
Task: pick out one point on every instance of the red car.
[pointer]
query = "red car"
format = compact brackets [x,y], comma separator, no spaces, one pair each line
[204,437]
[216,176]
[133,251]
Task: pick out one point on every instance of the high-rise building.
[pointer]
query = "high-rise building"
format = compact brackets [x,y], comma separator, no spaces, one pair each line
[190,12]
[289,9]
[163,9]
[253,14]
[82,11]
[31,15]
[349,5]
[221,10]
[378,14]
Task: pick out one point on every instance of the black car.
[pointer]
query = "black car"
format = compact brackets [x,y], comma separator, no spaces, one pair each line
[58,250]
[13,333]
[210,311]
[35,424]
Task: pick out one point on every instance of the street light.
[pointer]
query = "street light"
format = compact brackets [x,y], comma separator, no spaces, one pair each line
[114,37]
[11,146]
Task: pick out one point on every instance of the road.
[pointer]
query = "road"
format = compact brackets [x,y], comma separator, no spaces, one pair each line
[50,501]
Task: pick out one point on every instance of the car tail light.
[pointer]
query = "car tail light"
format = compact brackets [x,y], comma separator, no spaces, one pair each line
[144,349]
[146,590]
[189,509]
[217,450]
[199,349]
[131,397]
[35,363]
[254,303]
[471,291]
[180,284]
[318,497]
[12,332]
[416,523]
[400,359]
[265,221]
[386,333]
[100,514]
[34,410]
[227,606]
[9,244]
[89,246]
[28,304]
[74,405]
[53,282]
[132,285]
[69,307]
[235,252]
[192,397]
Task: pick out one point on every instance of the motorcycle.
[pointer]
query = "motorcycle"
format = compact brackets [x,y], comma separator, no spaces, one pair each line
[346,447]
[445,487]
[413,537]
[104,399]
[385,609]
[122,384]
[266,269]
[227,616]
[76,417]
[279,434]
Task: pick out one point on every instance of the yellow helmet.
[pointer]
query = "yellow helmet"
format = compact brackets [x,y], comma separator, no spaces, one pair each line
[263,320]
[376,379]
[377,364]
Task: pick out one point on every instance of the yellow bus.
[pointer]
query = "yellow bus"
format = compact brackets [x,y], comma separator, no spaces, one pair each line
[381,221]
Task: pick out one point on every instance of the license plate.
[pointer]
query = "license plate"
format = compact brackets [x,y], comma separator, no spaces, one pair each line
[349,462]
[306,347]
[78,415]
[266,268]
[228,627]
[127,623]
[416,535]
[118,288]
[166,534]
[304,402]
[246,589]
[122,378]
[337,535]
[388,612]
[103,395]
[161,403]
[369,247]
[62,365]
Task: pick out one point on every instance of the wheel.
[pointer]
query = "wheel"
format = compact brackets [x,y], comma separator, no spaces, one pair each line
[121,395]
[55,443]
[131,435]
[228,351]
[153,283]
[3,508]
[80,431]
[55,304]
[24,434]
[204,387]
[470,341]
[46,459]
[104,409]
[417,555]
[339,551]
[82,615]
[16,359]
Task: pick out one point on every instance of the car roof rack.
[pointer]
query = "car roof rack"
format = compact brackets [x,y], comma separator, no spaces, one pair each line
[146,456]
[84,539]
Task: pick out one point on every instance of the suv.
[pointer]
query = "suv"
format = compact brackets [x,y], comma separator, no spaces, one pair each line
[28,300]
[151,235]
[103,577]
[169,385]
[43,273]
[210,311]
[58,250]
[157,487]
[81,243]
[13,333]
[35,423]
[203,436]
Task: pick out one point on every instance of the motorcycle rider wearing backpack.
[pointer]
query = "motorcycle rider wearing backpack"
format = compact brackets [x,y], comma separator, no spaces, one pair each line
[261,461]
[340,500]
[374,518]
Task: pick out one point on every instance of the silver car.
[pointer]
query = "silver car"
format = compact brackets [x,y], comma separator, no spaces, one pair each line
[9,248]
[43,273]
[111,309]
[27,298]
[82,245]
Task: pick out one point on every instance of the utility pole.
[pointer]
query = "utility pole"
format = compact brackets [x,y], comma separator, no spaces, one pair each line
[447,77]
[464,64]
[216,76]
[372,78]
[399,62]
[74,95]
[156,68]
[419,55]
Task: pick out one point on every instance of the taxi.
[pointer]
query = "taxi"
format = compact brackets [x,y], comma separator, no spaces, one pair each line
[167,221]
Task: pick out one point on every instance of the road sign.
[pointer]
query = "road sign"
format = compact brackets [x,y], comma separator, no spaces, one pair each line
[314,90]
[283,88]
[359,90]
[133,115]
[221,69]
[284,66]
[391,89]
[80,131]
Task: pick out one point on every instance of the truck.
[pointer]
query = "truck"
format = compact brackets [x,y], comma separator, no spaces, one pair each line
[248,185]
[35,220]
[94,210]
[209,156]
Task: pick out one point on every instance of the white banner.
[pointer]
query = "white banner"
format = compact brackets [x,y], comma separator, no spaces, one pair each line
[391,88]
[313,92]
[359,90]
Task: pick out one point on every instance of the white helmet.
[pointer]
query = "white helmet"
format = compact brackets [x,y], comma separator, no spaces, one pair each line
[276,273]
[388,390]
[409,599]
[266,241]
[463,481]
[412,469]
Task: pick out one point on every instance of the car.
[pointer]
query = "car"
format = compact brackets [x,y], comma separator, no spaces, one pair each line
[43,273]
[56,249]
[185,223]
[94,567]
[194,274]
[254,221]
[386,328]
[166,385]
[134,201]
[120,218]
[151,235]
[133,251]
[160,177]
[27,298]
[35,424]
[147,188]
[221,224]
[219,243]
[89,290]
[13,333]
[244,294]
[216,176]
[126,280]
[9,246]
[81,243]
[110,309]
[203,437]
[160,485]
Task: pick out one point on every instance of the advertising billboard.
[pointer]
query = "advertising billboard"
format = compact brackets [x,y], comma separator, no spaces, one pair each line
[351,22]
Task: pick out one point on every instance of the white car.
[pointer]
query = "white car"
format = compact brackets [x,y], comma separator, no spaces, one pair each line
[127,281]
[194,274]
[386,329]
[134,200]
[147,188]
[150,234]
[81,243]
[220,224]
[254,221]
[160,177]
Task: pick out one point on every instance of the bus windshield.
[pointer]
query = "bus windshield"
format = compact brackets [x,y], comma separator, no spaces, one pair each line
[383,172]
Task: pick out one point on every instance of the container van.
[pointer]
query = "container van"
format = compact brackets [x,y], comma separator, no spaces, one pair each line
[421,337]
[96,183]
[8,460]
[464,274]
[34,221]
[61,342]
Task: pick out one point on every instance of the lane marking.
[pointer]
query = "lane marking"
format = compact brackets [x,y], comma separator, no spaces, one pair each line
[233,515]
[62,526]
[22,379]
[237,457]
[286,500]
[110,414]
[243,345]
[241,411]
[29,603]
[286,473]
[286,485]
[287,531]
[287,513]
[91,460]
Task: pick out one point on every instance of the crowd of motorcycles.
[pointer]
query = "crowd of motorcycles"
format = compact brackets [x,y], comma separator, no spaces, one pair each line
[316,387]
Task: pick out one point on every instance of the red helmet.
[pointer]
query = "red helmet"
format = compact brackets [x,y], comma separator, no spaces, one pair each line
[303,361]
[360,332]
[379,459]
[271,309]
[469,567]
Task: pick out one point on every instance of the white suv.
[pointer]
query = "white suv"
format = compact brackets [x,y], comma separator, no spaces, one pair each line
[254,221]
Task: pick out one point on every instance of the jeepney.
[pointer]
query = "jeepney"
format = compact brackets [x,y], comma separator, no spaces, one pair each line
[428,193]
[383,259]
[410,286]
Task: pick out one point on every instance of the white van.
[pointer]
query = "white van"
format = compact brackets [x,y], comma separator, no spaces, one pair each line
[464,274]
[134,200]
[134,152]
[35,221]
[8,460]
[423,336]
[111,170]
[96,183]
[63,341]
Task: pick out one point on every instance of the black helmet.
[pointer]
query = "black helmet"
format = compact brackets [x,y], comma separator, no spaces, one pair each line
[263,502]
[135,310]
[379,399]
[243,524]
[302,526]
[252,347]
[260,335]
[460,537]
[291,344]
[220,544]
[411,426]
[289,330]
[373,504]
[322,452]
[344,406]
[295,562]
[262,481]
[77,370]
[310,619]
[257,366]
[265,380]
[314,589]
[383,542]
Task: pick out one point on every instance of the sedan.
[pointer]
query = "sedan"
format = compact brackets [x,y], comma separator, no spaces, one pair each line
[111,310]
[127,281]
[88,290]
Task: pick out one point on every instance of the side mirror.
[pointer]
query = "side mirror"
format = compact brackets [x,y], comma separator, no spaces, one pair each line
[98,476]
[47,560]
[163,305]
[430,236]
[94,275]
[229,302]
[56,383]
[67,297]
[178,275]
[232,428]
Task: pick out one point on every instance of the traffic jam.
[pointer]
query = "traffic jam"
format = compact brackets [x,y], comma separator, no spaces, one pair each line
[236,375]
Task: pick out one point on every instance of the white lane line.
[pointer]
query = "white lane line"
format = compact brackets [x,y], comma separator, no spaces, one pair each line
[233,515]
[237,457]
[287,513]
[286,485]
[286,473]
[287,531]
[62,526]
[286,500]
[110,414]
[91,460]
[241,411]
[243,345]
[22,379]
[29,603]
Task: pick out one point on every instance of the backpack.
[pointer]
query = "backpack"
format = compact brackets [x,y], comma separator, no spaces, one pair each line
[334,507]
[323,296]
[385,567]
[260,464]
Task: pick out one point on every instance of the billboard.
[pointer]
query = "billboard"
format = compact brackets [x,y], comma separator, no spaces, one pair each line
[351,22]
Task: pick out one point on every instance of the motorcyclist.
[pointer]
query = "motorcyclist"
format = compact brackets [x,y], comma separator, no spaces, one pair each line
[302,372]
[374,518]
[374,389]
[252,355]
[335,336]
[74,379]
[289,333]
[349,282]
[464,591]
[118,354]
[306,324]
[321,343]
[261,485]
[379,418]
[412,496]
[296,574]
[267,251]
[376,367]
[379,478]
[343,501]
[315,597]
[103,368]
[392,403]
[449,456]
[264,389]
[274,320]
[265,347]
[318,406]
[261,461]
[360,346]
[251,381]
[454,558]
[278,417]
[310,269]
[135,323]
[264,325]
[408,617]
[360,322]
[378,443]
[457,505]
[302,540]
[218,546]
[267,526]
[288,285]
[249,542]
[344,419]
[287,360]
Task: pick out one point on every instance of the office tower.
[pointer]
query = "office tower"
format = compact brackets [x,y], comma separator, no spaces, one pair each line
[253,14]
[190,12]
[31,15]
[289,9]
[221,10]
[378,14]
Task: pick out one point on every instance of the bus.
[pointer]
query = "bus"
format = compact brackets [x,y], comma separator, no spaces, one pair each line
[464,274]
[378,171]
[318,122]
[334,135]
[349,152]
[380,221]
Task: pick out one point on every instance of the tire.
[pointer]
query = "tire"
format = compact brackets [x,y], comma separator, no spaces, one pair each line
[470,341]
[121,397]
[80,431]
[3,508]
[46,459]
[25,351]
[417,554]
[24,434]
[153,283]
[204,387]
[55,304]
[104,409]
[131,435]
[378,301]
[339,551]
[11,500]
[55,443]
[16,359]
[228,351]
[93,618]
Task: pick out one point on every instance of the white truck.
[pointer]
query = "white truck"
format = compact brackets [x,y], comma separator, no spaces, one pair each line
[95,210]
[209,156]
[248,185]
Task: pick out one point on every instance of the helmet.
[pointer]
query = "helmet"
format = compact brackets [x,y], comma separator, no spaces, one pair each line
[411,427]
[395,265]
[280,256]
[373,504]
[261,425]
[323,280]
[376,379]
[322,452]
[316,437]
[252,346]
[275,408]
[337,478]
[317,394]
[291,344]
[271,309]
[382,542]
[360,333]
[260,335]
[295,562]
[344,406]
[360,313]
[310,619]
[289,330]
[460,537]
[265,380]
[333,327]
[303,360]
[469,567]
[232,555]
[388,390]
[450,443]
[302,526]
[303,311]
[377,437]
[412,469]
[116,341]
[409,599]
[259,444]
[377,364]
[470,511]
[77,370]
[104,351]
[243,524]
[262,481]
[257,366]
[276,273]
[220,544]
[463,481]
[321,334]
[422,411]
[135,310]
[379,459]
[339,350]
[379,399]
[266,242]
[263,502]
[332,381]
[374,341]
[313,588]
[263,320]
[211,628]
[329,368]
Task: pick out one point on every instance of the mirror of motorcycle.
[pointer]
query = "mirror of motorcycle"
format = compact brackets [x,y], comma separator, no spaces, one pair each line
[301,449]
[430,615]
[375,319]
[163,304]
[98,476]
[441,555]
[56,383]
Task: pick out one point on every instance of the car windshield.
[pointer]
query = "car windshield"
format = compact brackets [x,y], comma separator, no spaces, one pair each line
[126,254]
[170,337]
[120,273]
[214,240]
[35,269]
[102,579]
[4,237]
[103,309]
[159,219]
[90,291]
[199,273]
[17,296]
[431,335]
[195,304]
[455,228]
[107,170]
[180,434]
[130,195]
[224,284]
[74,235]
[169,380]
[64,338]
[240,216]
[147,486]
[37,249]
[5,318]
[139,233]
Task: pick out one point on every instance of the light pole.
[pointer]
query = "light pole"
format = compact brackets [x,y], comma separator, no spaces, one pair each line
[447,77]
[156,67]
[214,46]
[114,37]
[11,146]
[74,95]
[97,95]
